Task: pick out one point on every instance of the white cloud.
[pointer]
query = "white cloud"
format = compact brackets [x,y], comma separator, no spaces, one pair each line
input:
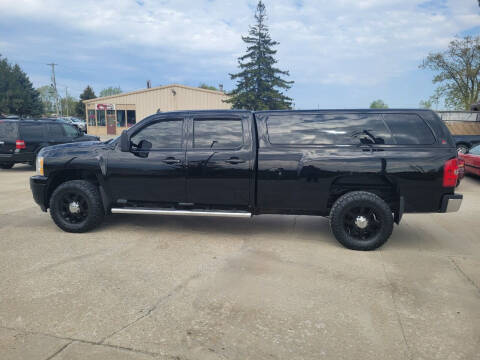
[354,42]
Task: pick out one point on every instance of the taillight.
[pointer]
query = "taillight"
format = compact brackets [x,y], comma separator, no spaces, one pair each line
[450,173]
[20,144]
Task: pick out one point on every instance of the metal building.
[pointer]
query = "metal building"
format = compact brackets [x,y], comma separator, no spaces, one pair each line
[110,115]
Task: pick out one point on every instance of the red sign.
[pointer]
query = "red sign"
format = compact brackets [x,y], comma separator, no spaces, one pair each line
[105,107]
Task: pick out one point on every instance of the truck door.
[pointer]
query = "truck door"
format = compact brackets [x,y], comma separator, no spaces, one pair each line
[220,161]
[156,176]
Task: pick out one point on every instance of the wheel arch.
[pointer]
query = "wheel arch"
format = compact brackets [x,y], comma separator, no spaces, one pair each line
[380,185]
[62,176]
[463,142]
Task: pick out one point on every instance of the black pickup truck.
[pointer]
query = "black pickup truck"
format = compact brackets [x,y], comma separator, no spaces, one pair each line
[362,168]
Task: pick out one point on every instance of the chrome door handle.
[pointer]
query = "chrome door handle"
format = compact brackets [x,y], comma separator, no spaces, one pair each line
[234,161]
[171,161]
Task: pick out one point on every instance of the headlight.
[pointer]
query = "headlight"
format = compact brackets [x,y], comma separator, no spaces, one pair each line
[39,166]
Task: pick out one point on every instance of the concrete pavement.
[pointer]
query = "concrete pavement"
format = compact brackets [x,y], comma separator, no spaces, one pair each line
[273,287]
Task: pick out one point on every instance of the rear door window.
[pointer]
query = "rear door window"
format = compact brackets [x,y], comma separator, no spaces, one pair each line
[217,133]
[328,129]
[31,131]
[70,130]
[165,134]
[55,131]
[8,130]
[409,129]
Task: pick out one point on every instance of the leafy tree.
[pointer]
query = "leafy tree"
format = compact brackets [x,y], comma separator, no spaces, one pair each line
[259,82]
[87,94]
[378,104]
[110,91]
[208,87]
[69,105]
[47,96]
[425,104]
[458,72]
[17,95]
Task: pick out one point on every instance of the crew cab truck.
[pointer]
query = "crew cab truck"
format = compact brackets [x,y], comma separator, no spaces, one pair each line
[362,168]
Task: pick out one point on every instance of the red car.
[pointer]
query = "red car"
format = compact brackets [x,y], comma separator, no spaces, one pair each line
[472,160]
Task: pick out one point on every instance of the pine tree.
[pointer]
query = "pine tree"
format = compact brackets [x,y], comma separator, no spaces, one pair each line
[259,83]
[17,95]
[87,94]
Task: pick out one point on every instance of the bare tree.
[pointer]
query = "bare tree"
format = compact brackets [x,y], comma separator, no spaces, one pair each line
[458,70]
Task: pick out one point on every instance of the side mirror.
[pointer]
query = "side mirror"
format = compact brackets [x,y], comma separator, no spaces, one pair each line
[144,145]
[143,149]
[124,141]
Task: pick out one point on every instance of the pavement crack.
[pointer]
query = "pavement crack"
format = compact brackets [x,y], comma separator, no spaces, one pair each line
[82,341]
[395,307]
[464,275]
[59,350]
[162,299]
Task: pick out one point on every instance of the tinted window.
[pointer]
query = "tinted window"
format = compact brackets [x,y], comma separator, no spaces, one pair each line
[31,131]
[70,131]
[326,129]
[217,134]
[55,131]
[475,150]
[166,134]
[121,118]
[409,129]
[91,118]
[131,118]
[100,117]
[8,130]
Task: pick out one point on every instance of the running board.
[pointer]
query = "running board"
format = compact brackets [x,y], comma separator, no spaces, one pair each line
[145,211]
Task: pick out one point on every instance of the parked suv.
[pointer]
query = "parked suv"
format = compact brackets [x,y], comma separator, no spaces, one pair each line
[362,168]
[21,140]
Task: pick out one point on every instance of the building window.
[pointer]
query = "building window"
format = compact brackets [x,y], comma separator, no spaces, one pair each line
[121,121]
[131,119]
[100,117]
[91,118]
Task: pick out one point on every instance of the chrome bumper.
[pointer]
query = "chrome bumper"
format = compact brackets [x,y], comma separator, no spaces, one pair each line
[451,203]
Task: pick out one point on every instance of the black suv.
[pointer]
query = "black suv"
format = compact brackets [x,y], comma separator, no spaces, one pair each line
[362,168]
[21,140]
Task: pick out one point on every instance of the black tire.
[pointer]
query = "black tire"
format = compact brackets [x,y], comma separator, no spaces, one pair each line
[372,212]
[6,166]
[90,208]
[462,148]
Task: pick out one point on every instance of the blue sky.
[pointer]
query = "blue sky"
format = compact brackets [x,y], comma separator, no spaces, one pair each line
[341,54]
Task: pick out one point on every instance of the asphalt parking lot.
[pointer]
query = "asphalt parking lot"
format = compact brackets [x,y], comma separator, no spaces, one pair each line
[271,287]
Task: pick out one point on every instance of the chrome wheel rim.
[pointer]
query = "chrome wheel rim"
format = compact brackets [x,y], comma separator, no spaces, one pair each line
[362,222]
[73,207]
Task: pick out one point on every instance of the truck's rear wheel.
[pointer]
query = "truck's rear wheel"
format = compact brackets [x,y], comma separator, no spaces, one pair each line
[76,206]
[361,220]
[461,148]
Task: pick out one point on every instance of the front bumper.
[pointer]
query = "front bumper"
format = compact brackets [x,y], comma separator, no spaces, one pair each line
[38,185]
[451,203]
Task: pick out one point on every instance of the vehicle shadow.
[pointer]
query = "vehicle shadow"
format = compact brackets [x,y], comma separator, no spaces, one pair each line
[19,168]
[307,228]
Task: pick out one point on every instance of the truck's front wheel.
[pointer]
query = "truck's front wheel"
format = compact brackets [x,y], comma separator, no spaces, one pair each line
[76,206]
[361,220]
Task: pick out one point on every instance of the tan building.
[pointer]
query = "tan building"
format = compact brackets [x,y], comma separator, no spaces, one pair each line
[110,115]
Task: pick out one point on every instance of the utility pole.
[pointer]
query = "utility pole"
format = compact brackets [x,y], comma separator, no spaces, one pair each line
[66,98]
[54,86]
